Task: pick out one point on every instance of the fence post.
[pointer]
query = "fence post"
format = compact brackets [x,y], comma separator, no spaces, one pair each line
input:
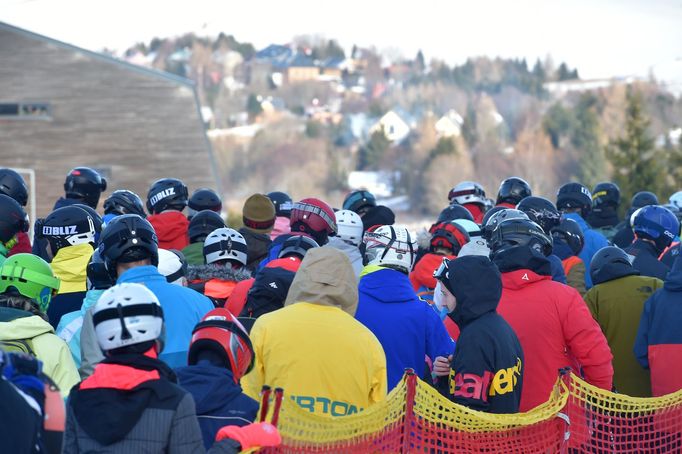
[264,402]
[279,392]
[409,419]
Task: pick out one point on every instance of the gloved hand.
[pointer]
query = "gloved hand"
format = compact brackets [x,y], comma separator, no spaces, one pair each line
[257,435]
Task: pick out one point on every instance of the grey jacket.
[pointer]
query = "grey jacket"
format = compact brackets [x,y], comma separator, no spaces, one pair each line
[351,251]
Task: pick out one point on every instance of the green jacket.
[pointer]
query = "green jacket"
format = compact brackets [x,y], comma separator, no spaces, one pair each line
[194,253]
[58,364]
[617,306]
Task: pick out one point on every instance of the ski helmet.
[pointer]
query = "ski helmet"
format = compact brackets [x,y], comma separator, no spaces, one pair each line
[610,263]
[504,214]
[30,276]
[13,218]
[359,201]
[570,233]
[314,217]
[448,235]
[674,209]
[166,193]
[605,194]
[202,224]
[225,244]
[471,227]
[513,190]
[123,201]
[467,192]
[128,238]
[574,195]
[204,199]
[97,275]
[97,220]
[541,211]
[85,183]
[642,199]
[297,245]
[67,226]
[127,314]
[453,212]
[676,199]
[222,333]
[390,246]
[172,265]
[13,185]
[658,224]
[282,202]
[488,214]
[513,233]
[349,226]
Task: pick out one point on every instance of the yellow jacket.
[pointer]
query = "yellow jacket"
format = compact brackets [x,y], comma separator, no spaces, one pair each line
[314,348]
[69,265]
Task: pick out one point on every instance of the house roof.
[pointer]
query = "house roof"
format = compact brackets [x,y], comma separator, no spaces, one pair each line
[99,56]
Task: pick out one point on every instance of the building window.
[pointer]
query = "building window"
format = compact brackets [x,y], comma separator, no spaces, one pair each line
[25,111]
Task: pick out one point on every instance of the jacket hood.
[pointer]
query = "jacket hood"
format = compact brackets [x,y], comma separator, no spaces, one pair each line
[673,282]
[518,279]
[213,271]
[522,257]
[257,243]
[424,239]
[170,225]
[613,271]
[64,202]
[422,274]
[90,300]
[69,265]
[603,217]
[18,324]
[561,249]
[282,226]
[386,285]
[212,387]
[325,277]
[476,283]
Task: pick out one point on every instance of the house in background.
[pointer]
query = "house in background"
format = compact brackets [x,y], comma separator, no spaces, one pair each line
[62,106]
[394,125]
[450,124]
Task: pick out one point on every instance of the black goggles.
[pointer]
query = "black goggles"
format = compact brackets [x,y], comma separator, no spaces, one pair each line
[442,273]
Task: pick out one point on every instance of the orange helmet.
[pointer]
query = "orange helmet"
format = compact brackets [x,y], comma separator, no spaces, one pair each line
[222,333]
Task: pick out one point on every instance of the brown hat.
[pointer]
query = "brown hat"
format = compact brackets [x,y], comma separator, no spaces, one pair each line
[259,214]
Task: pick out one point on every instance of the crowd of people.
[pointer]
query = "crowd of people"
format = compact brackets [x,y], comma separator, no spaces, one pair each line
[153,326]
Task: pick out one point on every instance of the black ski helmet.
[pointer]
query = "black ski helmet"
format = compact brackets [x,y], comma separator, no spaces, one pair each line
[541,211]
[13,185]
[166,193]
[359,201]
[498,217]
[128,238]
[283,203]
[86,184]
[123,201]
[605,194]
[570,233]
[68,226]
[574,195]
[13,218]
[519,232]
[204,199]
[610,263]
[297,245]
[513,190]
[452,212]
[642,199]
[202,224]
[97,275]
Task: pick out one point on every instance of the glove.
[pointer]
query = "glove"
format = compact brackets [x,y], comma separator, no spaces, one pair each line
[262,434]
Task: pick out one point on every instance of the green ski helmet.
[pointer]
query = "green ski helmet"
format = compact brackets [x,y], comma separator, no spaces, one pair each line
[31,276]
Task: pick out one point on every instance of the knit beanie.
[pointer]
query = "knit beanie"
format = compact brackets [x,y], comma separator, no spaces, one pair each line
[259,214]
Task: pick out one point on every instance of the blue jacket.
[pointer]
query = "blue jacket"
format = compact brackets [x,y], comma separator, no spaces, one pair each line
[593,242]
[658,345]
[273,250]
[70,325]
[407,328]
[558,274]
[219,400]
[183,308]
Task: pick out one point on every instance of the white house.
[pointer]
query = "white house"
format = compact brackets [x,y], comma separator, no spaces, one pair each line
[395,128]
[450,124]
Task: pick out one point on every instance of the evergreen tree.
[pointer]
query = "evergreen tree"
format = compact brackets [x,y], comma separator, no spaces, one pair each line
[420,64]
[371,153]
[636,163]
[585,138]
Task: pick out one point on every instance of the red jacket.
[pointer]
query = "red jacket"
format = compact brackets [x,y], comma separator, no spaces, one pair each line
[23,245]
[553,325]
[422,274]
[476,211]
[171,228]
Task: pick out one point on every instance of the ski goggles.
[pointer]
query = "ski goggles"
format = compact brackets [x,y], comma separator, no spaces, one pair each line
[443,271]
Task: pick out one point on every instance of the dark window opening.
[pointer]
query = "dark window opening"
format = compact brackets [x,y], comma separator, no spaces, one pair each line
[26,111]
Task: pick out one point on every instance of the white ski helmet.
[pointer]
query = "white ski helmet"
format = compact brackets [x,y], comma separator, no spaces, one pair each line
[173,265]
[391,245]
[127,314]
[676,199]
[467,192]
[349,226]
[225,244]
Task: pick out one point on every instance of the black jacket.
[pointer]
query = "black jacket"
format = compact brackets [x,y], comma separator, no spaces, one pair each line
[268,293]
[599,218]
[646,260]
[257,245]
[487,367]
[624,237]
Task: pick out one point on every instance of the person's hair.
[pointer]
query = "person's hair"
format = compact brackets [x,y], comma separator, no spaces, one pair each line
[23,303]
[212,357]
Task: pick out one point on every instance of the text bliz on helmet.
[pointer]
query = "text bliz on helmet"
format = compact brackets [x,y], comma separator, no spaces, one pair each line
[161,195]
[60,231]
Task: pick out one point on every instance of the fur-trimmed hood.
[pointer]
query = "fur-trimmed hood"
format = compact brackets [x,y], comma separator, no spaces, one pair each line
[424,239]
[213,271]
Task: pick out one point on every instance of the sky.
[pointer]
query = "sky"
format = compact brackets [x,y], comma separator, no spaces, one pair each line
[602,38]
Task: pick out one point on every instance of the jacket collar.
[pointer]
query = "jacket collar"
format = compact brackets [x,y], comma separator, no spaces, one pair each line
[141,274]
